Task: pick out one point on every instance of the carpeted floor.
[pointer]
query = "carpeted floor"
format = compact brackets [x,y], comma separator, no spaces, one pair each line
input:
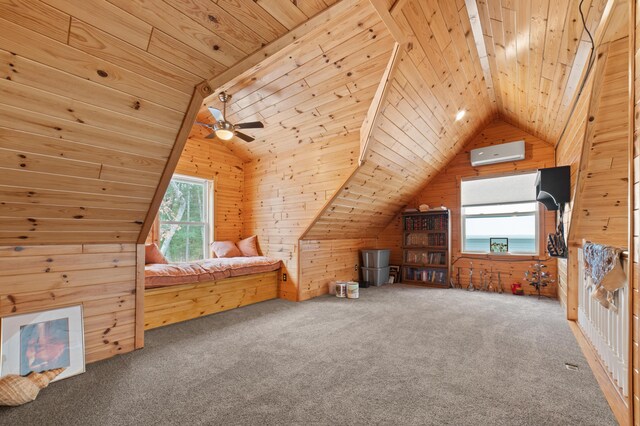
[398,355]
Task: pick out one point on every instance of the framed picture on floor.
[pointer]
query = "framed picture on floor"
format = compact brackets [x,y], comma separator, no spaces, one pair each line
[394,271]
[42,341]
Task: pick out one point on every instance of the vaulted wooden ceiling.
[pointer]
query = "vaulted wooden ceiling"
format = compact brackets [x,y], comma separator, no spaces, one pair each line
[415,133]
[536,53]
[92,95]
[320,88]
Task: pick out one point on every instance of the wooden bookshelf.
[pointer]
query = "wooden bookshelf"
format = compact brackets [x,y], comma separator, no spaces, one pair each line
[426,248]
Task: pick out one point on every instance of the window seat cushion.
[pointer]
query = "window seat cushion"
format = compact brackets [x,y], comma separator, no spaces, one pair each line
[164,275]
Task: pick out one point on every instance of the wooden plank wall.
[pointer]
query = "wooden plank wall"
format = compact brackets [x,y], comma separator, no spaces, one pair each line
[283,193]
[600,212]
[444,190]
[92,95]
[313,104]
[209,159]
[568,153]
[323,261]
[169,305]
[101,277]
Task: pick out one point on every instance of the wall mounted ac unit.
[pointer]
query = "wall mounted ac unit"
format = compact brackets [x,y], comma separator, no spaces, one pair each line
[512,151]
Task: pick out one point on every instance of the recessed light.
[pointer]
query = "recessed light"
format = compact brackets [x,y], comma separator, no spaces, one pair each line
[460,114]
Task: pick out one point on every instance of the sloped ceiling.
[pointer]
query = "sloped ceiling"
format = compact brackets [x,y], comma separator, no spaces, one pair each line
[536,53]
[416,133]
[92,95]
[522,61]
[307,95]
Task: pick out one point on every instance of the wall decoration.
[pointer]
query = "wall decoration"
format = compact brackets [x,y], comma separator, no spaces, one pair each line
[498,245]
[41,341]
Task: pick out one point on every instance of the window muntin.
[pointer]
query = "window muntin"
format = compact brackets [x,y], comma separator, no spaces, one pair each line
[500,207]
[185,219]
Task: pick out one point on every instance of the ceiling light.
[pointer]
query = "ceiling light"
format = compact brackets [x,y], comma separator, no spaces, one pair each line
[460,114]
[224,134]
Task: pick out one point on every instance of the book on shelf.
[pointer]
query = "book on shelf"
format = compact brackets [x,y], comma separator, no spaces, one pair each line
[435,222]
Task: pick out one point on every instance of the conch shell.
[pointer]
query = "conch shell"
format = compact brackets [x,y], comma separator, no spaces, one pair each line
[17,390]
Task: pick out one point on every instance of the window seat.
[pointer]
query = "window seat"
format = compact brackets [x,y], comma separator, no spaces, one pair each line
[163,275]
[178,292]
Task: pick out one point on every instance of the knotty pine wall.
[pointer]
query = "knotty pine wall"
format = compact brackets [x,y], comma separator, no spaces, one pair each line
[284,192]
[444,190]
[209,159]
[568,152]
[100,277]
[323,261]
[599,172]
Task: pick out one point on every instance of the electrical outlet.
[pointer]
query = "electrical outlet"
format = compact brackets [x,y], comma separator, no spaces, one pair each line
[284,277]
[356,268]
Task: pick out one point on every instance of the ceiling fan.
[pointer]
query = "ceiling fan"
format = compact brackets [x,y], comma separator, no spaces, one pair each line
[224,129]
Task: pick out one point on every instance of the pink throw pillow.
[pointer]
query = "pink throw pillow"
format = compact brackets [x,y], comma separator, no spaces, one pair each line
[225,249]
[152,254]
[249,246]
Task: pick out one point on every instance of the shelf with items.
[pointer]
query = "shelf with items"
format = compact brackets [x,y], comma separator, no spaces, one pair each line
[426,251]
[427,275]
[424,257]
[422,239]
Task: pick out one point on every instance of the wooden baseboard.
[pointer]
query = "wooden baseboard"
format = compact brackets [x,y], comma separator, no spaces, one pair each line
[619,405]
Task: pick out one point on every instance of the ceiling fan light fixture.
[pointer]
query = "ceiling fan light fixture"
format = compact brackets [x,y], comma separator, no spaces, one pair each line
[224,134]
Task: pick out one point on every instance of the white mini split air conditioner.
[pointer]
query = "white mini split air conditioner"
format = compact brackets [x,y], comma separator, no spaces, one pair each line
[512,151]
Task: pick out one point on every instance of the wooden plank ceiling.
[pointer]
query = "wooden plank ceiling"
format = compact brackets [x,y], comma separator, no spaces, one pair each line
[311,92]
[536,51]
[416,133]
[92,95]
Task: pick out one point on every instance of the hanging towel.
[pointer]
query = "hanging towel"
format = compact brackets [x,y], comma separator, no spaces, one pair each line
[602,264]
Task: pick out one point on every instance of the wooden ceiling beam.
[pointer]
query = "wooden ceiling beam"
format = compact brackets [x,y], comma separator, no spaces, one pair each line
[396,32]
[476,29]
[371,119]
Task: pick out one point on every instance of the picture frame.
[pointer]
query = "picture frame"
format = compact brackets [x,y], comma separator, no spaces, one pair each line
[41,341]
[394,271]
[498,245]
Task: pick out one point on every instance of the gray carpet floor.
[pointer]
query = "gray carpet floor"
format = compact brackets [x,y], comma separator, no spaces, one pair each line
[398,355]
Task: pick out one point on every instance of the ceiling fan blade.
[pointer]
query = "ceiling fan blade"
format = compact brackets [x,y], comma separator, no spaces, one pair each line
[250,125]
[244,137]
[217,114]
[210,135]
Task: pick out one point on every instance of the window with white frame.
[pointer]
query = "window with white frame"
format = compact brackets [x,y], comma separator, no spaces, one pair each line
[500,208]
[185,219]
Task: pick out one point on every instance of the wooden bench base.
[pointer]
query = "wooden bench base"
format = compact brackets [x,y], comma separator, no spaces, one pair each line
[168,305]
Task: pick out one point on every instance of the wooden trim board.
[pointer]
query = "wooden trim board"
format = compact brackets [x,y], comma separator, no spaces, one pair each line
[371,119]
[139,327]
[631,205]
[169,305]
[270,52]
[199,93]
